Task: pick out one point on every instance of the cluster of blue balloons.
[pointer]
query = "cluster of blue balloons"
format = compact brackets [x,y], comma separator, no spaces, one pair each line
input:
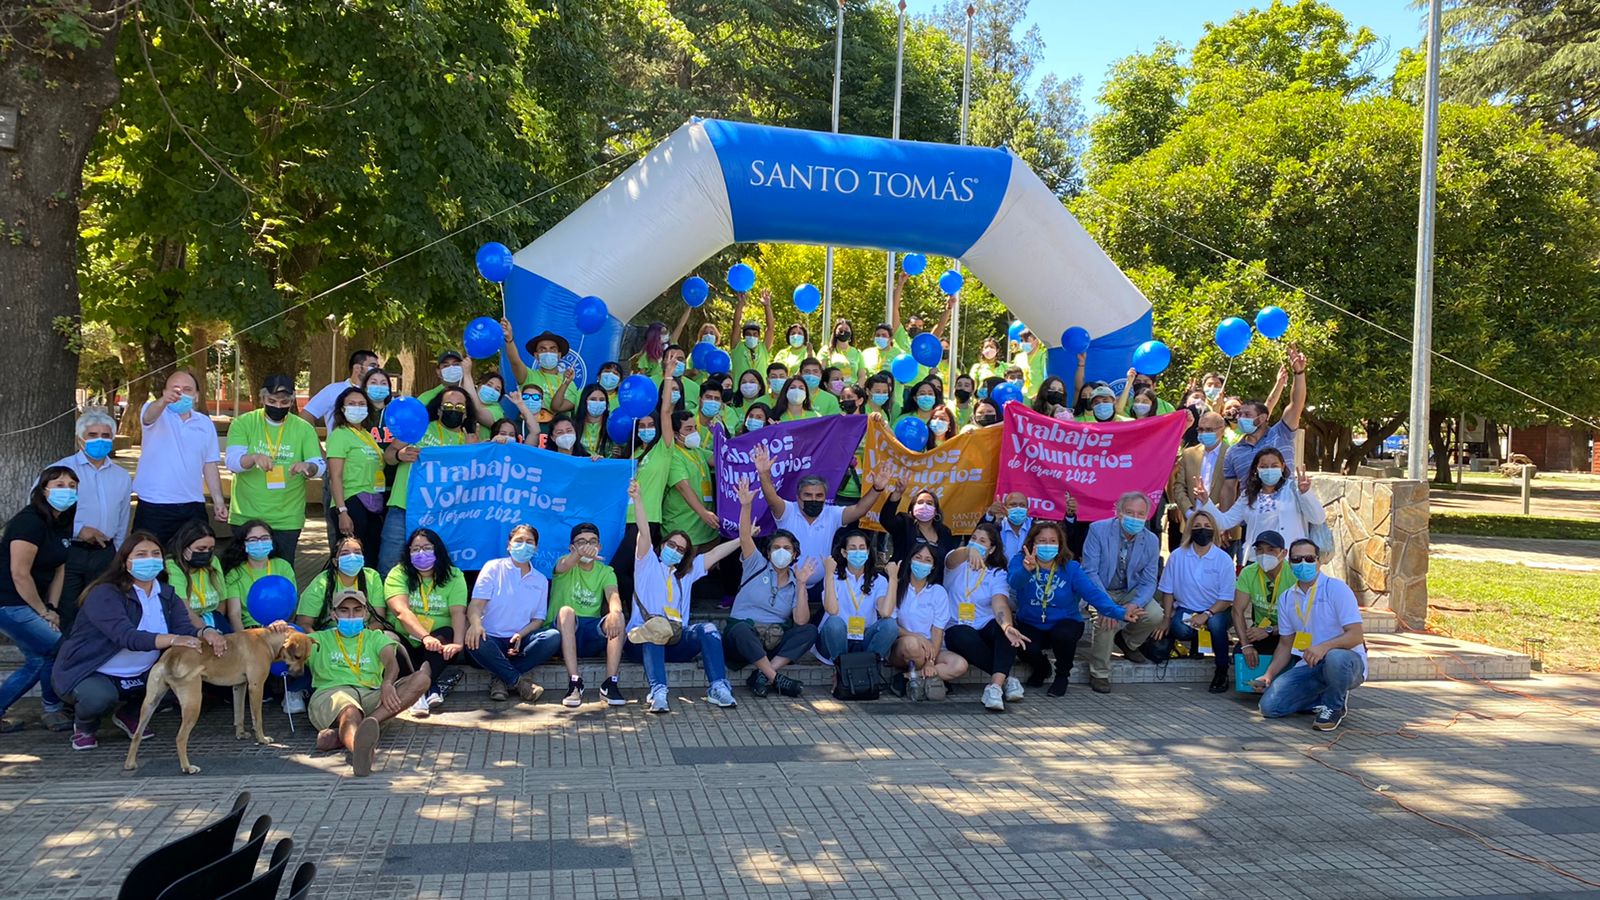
[637,396]
[707,357]
[1234,334]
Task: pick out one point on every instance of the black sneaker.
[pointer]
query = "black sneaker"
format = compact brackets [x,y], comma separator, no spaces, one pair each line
[612,692]
[787,686]
[1058,685]
[574,698]
[758,683]
[1040,673]
[1327,719]
[1219,681]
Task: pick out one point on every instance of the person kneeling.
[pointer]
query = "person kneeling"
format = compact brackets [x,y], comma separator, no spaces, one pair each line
[659,631]
[354,673]
[922,617]
[982,631]
[1320,623]
[507,619]
[767,626]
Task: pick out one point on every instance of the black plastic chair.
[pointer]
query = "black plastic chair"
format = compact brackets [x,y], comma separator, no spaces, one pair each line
[161,867]
[300,888]
[266,887]
[226,874]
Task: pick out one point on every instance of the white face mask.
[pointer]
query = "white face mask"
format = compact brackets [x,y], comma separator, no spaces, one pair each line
[450,374]
[749,390]
[1267,562]
[565,441]
[692,440]
[796,396]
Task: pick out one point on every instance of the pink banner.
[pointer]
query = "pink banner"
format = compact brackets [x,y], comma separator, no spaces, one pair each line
[1045,458]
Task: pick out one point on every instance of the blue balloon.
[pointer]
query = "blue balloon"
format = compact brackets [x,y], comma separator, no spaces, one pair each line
[482,337]
[637,396]
[904,368]
[1005,392]
[914,263]
[695,290]
[1075,340]
[1015,330]
[406,419]
[807,298]
[272,598]
[697,355]
[1233,335]
[925,349]
[1151,358]
[741,277]
[590,314]
[913,433]
[1272,322]
[619,427]
[717,362]
[950,282]
[494,261]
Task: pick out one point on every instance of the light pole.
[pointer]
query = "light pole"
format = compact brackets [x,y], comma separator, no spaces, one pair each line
[1422,317]
[333,347]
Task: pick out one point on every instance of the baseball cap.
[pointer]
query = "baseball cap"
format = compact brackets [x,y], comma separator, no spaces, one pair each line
[1102,391]
[1271,539]
[278,384]
[449,354]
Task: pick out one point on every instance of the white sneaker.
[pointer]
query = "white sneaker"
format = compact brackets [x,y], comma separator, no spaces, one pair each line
[992,700]
[435,700]
[658,699]
[420,708]
[1013,690]
[720,694]
[294,702]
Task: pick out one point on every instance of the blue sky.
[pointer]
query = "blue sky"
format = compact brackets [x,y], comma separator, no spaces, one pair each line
[1083,37]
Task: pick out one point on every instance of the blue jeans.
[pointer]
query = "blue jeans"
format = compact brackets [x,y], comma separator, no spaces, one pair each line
[536,648]
[38,642]
[701,639]
[833,640]
[1218,625]
[392,545]
[1302,687]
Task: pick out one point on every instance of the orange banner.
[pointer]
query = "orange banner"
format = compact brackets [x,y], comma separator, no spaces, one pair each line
[962,471]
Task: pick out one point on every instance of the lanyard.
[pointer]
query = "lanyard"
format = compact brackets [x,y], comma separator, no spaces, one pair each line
[266,432]
[1304,612]
[700,466]
[427,602]
[671,579]
[199,575]
[354,662]
[1046,593]
[855,599]
[372,444]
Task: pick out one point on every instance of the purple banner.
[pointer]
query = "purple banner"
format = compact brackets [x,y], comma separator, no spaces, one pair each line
[823,447]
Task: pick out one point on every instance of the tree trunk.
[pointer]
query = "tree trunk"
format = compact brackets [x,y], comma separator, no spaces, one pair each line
[61,93]
[1439,440]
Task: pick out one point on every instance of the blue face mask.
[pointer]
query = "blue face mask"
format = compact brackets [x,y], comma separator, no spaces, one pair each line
[351,564]
[1269,477]
[646,435]
[1206,438]
[522,551]
[882,342]
[97,448]
[677,370]
[811,381]
[548,360]
[708,339]
[753,424]
[925,402]
[920,569]
[1103,411]
[1304,571]
[351,627]
[62,499]
[880,399]
[670,556]
[710,407]
[1141,409]
[534,403]
[610,380]
[596,408]
[1132,524]
[1016,515]
[488,394]
[146,568]
[1247,426]
[676,396]
[183,404]
[983,394]
[856,558]
[1046,552]
[796,340]
[378,392]
[258,549]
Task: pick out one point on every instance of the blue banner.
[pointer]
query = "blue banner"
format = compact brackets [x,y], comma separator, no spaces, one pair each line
[474,495]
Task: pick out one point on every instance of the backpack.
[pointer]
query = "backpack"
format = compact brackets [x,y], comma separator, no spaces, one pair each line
[856,676]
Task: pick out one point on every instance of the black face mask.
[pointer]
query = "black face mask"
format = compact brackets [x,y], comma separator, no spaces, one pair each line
[847,406]
[985,420]
[963,396]
[199,559]
[811,508]
[1201,536]
[452,419]
[844,336]
[277,413]
[1055,397]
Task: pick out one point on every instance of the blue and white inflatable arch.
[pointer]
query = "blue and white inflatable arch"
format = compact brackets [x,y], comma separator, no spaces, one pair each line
[713,183]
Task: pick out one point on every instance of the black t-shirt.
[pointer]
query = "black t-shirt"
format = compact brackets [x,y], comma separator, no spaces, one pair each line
[30,527]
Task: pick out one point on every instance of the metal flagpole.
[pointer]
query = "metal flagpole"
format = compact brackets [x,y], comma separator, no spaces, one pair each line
[827,269]
[899,66]
[966,84]
[1422,321]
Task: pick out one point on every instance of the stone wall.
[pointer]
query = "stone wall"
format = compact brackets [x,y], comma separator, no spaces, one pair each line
[1380,530]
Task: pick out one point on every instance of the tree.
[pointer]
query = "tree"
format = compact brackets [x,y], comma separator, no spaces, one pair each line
[56,65]
[1306,43]
[1143,98]
[1000,45]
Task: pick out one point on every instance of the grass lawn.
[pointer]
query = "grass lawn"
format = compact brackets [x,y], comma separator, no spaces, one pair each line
[1498,525]
[1500,604]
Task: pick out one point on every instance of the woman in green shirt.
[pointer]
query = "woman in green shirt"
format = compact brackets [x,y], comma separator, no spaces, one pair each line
[920,401]
[795,350]
[589,419]
[794,401]
[843,356]
[346,571]
[989,364]
[690,502]
[427,598]
[250,557]
[355,471]
[196,575]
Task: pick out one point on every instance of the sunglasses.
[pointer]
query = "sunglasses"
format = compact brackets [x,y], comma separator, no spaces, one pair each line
[1303,559]
[451,407]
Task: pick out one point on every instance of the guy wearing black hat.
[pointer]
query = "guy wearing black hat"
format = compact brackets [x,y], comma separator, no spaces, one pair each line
[271,452]
[1255,597]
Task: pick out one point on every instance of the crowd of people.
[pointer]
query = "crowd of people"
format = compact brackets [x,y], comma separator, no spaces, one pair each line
[96,585]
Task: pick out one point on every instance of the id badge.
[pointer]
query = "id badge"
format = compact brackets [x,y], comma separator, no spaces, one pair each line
[1302,641]
[966,613]
[1205,642]
[856,627]
[672,613]
[277,477]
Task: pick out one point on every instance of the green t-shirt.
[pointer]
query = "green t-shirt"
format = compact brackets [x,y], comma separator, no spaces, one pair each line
[695,467]
[982,371]
[276,497]
[205,594]
[791,357]
[655,467]
[744,359]
[584,592]
[1032,366]
[236,585]
[429,603]
[435,436]
[848,361]
[824,403]
[547,382]
[363,461]
[963,414]
[1253,582]
[351,662]
[797,416]
[314,599]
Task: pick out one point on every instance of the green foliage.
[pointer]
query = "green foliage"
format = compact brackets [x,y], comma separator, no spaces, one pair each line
[1143,97]
[1305,43]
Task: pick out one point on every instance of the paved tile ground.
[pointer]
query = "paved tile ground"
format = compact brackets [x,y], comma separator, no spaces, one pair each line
[1153,791]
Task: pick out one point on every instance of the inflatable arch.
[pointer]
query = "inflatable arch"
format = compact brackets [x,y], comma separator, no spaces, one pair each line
[713,183]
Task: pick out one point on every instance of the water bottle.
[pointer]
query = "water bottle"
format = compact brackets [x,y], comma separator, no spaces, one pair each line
[913,682]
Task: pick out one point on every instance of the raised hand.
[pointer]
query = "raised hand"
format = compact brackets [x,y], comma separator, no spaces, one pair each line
[505,329]
[766,297]
[1029,561]
[745,492]
[761,459]
[1297,360]
[1201,495]
[881,480]
[1070,504]
[807,569]
[830,566]
[633,491]
[1304,481]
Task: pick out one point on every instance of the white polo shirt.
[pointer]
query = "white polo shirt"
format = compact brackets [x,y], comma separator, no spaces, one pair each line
[922,611]
[321,403]
[1198,582]
[173,456]
[514,599]
[1333,607]
[816,538]
[656,587]
[977,588]
[854,601]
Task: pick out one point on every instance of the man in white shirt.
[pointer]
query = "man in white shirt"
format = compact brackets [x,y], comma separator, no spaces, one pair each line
[105,505]
[1321,645]
[810,518]
[509,631]
[320,407]
[179,455]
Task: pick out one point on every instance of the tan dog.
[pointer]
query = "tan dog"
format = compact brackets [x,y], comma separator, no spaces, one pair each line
[245,665]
